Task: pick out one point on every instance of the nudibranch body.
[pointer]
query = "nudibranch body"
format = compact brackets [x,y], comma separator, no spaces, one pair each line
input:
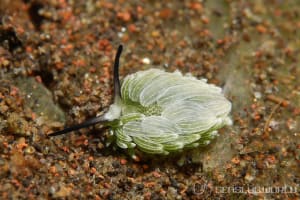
[160,112]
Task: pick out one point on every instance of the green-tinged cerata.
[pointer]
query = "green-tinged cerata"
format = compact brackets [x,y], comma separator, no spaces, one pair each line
[160,112]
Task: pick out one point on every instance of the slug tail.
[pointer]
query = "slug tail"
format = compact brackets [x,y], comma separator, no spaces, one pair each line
[117,88]
[87,123]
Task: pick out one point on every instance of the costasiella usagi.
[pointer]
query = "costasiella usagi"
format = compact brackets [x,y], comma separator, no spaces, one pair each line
[161,112]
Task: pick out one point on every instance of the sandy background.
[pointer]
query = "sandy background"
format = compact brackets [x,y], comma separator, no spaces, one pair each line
[55,70]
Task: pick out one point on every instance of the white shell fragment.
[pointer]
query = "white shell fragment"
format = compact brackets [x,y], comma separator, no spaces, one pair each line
[165,112]
[146,61]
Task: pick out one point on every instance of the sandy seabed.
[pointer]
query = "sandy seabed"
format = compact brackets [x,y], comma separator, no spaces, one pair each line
[55,69]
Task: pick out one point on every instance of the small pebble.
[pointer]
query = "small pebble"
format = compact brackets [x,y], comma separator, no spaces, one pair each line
[146,61]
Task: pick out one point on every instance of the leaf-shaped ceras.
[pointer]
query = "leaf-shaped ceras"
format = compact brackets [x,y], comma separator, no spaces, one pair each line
[161,112]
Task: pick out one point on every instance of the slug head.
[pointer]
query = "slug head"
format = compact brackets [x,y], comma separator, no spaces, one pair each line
[114,111]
